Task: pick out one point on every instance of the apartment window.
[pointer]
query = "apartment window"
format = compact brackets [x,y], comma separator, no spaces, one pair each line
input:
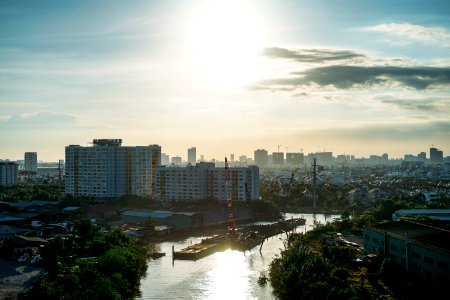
[415,255]
[428,260]
[415,267]
[394,247]
[403,251]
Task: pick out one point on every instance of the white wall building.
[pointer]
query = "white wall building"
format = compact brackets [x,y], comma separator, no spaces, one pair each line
[205,182]
[31,161]
[109,170]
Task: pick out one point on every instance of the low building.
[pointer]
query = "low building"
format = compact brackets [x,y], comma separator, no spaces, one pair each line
[376,194]
[358,196]
[431,197]
[24,244]
[421,249]
[434,214]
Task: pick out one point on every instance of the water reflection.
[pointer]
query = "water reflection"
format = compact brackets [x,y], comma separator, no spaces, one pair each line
[223,275]
[229,278]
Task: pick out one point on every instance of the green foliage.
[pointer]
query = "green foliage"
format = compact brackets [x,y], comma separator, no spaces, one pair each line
[113,272]
[300,273]
[265,210]
[28,192]
[150,223]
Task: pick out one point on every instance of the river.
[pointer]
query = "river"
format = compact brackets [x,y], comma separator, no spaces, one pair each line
[223,275]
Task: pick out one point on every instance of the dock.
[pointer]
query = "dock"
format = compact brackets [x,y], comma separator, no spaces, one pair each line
[243,240]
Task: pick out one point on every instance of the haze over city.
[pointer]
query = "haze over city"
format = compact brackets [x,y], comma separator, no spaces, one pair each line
[359,77]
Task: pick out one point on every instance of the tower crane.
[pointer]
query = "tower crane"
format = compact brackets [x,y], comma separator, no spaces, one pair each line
[230,220]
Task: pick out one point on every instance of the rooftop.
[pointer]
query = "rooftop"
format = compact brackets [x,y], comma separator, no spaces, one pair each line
[428,235]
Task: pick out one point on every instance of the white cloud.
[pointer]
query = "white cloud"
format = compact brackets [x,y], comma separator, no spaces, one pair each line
[413,33]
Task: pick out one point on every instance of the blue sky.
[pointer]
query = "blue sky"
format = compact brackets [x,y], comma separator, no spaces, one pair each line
[360,77]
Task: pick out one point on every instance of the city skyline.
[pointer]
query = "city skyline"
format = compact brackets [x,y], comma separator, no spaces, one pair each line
[362,78]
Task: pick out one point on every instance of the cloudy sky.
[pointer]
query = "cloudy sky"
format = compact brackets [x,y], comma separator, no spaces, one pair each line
[356,77]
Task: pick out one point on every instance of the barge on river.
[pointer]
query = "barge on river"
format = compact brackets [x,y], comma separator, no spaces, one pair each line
[242,241]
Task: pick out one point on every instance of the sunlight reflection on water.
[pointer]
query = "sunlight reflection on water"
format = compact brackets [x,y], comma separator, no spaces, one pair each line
[223,275]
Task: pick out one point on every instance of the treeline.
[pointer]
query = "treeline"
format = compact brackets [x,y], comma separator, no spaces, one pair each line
[91,265]
[311,268]
[28,192]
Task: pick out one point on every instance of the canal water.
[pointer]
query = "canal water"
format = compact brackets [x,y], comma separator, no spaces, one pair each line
[223,275]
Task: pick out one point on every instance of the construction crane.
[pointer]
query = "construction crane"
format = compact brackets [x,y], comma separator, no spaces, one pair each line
[230,220]
[279,147]
[314,184]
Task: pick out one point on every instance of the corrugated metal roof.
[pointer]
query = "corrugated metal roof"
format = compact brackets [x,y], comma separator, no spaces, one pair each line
[156,214]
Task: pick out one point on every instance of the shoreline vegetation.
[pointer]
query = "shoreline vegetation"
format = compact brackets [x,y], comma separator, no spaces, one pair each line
[92,265]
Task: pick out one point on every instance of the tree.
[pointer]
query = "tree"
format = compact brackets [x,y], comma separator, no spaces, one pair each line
[150,223]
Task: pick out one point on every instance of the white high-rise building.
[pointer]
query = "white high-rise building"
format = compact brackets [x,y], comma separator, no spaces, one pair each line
[205,182]
[31,161]
[8,172]
[192,155]
[109,170]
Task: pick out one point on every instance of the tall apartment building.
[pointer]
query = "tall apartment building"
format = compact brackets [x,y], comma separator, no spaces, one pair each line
[31,161]
[192,155]
[8,172]
[294,159]
[436,156]
[261,158]
[205,182]
[278,158]
[109,170]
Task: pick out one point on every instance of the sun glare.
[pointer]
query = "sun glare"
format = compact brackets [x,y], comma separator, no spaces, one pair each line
[224,39]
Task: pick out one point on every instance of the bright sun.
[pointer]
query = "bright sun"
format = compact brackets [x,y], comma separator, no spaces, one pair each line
[224,39]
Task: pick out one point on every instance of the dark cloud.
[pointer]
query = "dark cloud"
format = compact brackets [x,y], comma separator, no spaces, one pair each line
[40,120]
[346,77]
[311,55]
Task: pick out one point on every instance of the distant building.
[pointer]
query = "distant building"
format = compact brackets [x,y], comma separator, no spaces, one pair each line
[176,160]
[358,196]
[419,249]
[278,158]
[205,182]
[31,162]
[192,155]
[109,170]
[324,157]
[422,156]
[294,159]
[431,197]
[436,156]
[8,173]
[165,160]
[376,194]
[261,158]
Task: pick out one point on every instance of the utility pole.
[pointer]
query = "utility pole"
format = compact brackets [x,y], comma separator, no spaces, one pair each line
[279,147]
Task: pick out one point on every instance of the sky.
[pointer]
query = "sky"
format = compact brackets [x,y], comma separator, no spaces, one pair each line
[351,77]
